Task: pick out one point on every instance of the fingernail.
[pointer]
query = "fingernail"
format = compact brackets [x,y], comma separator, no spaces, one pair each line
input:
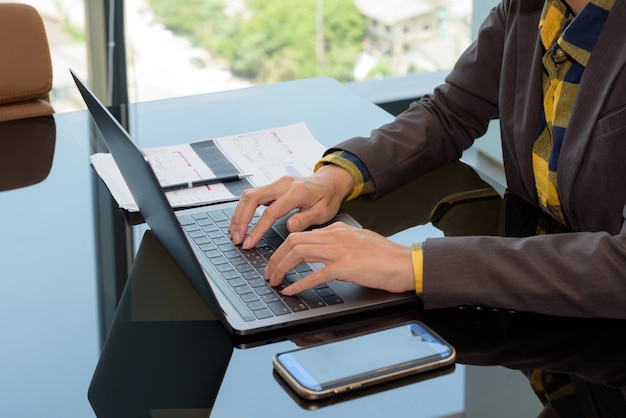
[246,243]
[236,237]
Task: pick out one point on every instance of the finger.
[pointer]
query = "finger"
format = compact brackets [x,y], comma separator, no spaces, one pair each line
[277,209]
[308,217]
[299,247]
[245,210]
[336,226]
[314,279]
[242,216]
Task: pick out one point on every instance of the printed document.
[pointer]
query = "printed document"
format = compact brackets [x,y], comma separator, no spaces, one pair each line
[267,155]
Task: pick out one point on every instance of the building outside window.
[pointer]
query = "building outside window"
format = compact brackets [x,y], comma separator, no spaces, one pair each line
[420,36]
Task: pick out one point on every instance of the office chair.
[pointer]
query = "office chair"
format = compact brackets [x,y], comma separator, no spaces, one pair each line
[25,64]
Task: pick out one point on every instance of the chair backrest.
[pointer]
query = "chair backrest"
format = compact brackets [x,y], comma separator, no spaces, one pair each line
[25,64]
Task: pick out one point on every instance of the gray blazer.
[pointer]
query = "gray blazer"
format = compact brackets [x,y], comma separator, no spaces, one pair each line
[582,273]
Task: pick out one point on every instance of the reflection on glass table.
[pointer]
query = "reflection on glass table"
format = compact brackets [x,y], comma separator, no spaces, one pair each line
[26,151]
[167,354]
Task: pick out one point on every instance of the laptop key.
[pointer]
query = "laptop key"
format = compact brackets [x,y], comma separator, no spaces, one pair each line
[281,229]
[333,300]
[237,261]
[230,274]
[264,290]
[228,212]
[236,282]
[295,304]
[223,268]
[217,215]
[223,226]
[223,241]
[263,313]
[275,242]
[249,297]
[214,234]
[312,299]
[186,220]
[303,269]
[208,226]
[240,290]
[207,247]
[291,277]
[251,255]
[265,250]
[205,223]
[212,253]
[218,260]
[258,264]
[270,297]
[191,227]
[258,282]
[243,268]
[202,240]
[278,308]
[232,254]
[250,274]
[256,305]
[325,292]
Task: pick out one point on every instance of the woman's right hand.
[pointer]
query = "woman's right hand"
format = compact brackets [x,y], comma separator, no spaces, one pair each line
[318,197]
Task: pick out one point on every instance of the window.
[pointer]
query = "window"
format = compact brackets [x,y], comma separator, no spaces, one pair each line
[199,46]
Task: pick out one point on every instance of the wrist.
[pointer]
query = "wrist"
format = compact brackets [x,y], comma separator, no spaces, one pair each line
[340,178]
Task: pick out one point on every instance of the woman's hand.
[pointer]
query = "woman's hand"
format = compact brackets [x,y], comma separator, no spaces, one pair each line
[349,254]
[318,197]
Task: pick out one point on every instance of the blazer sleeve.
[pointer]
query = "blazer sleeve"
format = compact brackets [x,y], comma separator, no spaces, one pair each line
[437,128]
[579,274]
[576,274]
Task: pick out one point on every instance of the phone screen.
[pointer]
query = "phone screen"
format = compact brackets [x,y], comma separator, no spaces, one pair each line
[409,346]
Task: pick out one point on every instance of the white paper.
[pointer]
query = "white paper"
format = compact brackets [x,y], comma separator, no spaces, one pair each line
[267,155]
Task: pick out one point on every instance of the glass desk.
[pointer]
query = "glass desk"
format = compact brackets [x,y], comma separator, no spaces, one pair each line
[158,353]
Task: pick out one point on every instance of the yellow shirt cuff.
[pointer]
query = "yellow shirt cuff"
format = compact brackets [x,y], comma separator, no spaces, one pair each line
[360,187]
[417,257]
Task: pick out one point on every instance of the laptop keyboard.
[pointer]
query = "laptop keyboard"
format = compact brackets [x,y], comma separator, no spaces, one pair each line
[243,270]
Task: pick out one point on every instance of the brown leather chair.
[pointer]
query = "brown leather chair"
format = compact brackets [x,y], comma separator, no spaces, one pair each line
[25,64]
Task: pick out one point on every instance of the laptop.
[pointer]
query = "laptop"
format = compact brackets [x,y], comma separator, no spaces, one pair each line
[228,278]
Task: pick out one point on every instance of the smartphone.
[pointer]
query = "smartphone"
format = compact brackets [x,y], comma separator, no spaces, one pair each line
[346,364]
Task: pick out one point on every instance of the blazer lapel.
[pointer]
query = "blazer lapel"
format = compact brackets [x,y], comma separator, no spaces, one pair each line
[521,100]
[607,61]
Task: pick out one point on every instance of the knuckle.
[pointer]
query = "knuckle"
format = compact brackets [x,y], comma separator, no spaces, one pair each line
[247,194]
[294,239]
[299,251]
[285,183]
[272,212]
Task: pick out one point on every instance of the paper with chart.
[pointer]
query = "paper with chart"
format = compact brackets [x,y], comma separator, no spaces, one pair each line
[267,155]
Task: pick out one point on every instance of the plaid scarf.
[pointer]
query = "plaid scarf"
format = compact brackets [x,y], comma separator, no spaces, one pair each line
[567,41]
